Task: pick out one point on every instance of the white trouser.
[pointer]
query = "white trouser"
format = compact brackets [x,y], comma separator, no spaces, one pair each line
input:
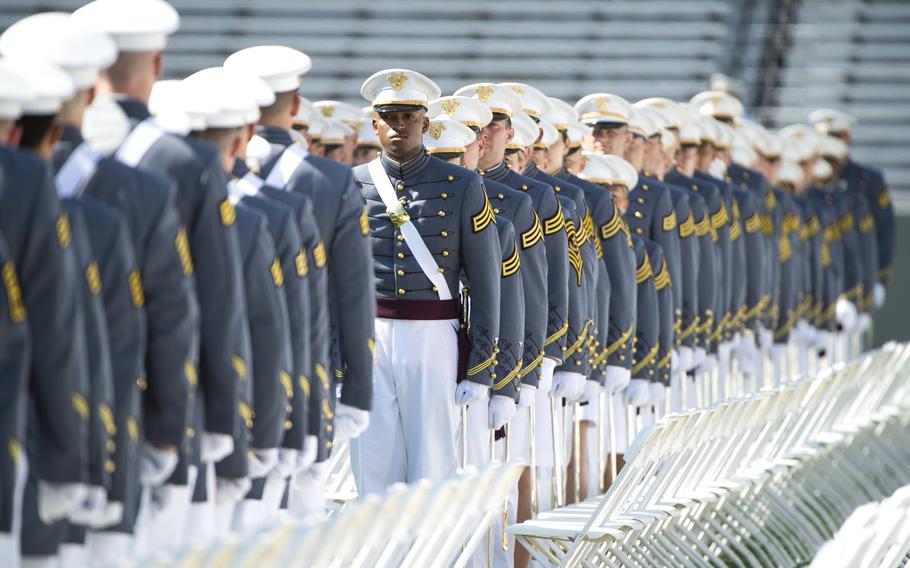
[200,516]
[676,391]
[9,542]
[163,517]
[478,438]
[414,418]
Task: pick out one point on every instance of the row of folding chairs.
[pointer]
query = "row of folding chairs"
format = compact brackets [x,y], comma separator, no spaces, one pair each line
[875,534]
[423,525]
[760,480]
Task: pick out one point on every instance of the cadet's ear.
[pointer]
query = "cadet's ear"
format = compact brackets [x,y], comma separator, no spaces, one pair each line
[375,123]
[295,105]
[426,124]
[510,133]
[158,64]
[90,95]
[237,144]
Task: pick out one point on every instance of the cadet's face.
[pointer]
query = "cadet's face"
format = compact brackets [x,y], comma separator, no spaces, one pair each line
[497,135]
[556,155]
[474,151]
[401,133]
[652,157]
[620,197]
[685,159]
[575,162]
[611,140]
[516,161]
[706,153]
[634,153]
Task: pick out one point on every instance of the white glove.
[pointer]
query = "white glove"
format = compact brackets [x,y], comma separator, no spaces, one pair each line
[686,359]
[824,339]
[878,295]
[350,422]
[709,364]
[638,393]
[155,465]
[699,356]
[307,457]
[658,393]
[845,313]
[287,461]
[863,323]
[500,411]
[90,511]
[724,352]
[569,385]
[616,379]
[592,392]
[747,353]
[765,339]
[526,396]
[469,392]
[261,461]
[112,515]
[547,368]
[57,500]
[307,498]
[578,387]
[216,447]
[231,490]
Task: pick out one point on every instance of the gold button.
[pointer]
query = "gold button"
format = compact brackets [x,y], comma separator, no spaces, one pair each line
[288,425]
[400,272]
[441,270]
[496,350]
[557,188]
[445,253]
[524,187]
[694,187]
[190,433]
[496,210]
[328,445]
[501,197]
[622,357]
[640,200]
[400,255]
[638,230]
[451,179]
[401,291]
[400,186]
[111,446]
[328,428]
[444,196]
[644,186]
[638,215]
[403,201]
[400,237]
[288,408]
[444,234]
[142,383]
[110,466]
[492,375]
[442,213]
[435,289]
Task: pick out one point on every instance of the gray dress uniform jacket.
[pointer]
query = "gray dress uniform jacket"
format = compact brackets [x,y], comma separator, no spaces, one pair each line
[663,287]
[738,267]
[511,315]
[870,182]
[556,245]
[343,226]
[832,258]
[450,209]
[813,273]
[214,261]
[790,259]
[685,285]
[853,216]
[868,246]
[15,354]
[162,280]
[39,240]
[262,412]
[722,222]
[647,321]
[574,356]
[518,208]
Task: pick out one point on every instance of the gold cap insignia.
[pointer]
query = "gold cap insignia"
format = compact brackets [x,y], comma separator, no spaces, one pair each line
[450,106]
[327,111]
[518,90]
[483,92]
[436,130]
[397,80]
[602,103]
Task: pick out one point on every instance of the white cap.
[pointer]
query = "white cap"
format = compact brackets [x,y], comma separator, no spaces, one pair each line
[598,170]
[258,151]
[641,123]
[832,147]
[789,172]
[669,109]
[768,144]
[723,136]
[690,132]
[603,108]
[399,87]
[318,125]
[719,104]
[466,110]
[15,91]
[135,26]
[255,88]
[219,95]
[533,101]
[105,126]
[822,170]
[337,110]
[549,135]
[806,137]
[335,132]
[500,100]
[279,66]
[306,113]
[626,175]
[366,136]
[667,139]
[576,133]
[741,153]
[167,103]
[447,136]
[561,113]
[710,128]
[526,131]
[831,121]
[59,38]
[50,85]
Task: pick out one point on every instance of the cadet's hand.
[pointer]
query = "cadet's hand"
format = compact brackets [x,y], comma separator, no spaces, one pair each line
[699,356]
[57,500]
[638,393]
[156,464]
[863,323]
[526,396]
[547,368]
[307,498]
[287,461]
[261,461]
[501,410]
[231,490]
[592,392]
[90,511]
[845,314]
[216,447]
[709,364]
[658,393]
[878,295]
[686,359]
[307,457]
[112,515]
[617,378]
[350,422]
[562,385]
[469,392]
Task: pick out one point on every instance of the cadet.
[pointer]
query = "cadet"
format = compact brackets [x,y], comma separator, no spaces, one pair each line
[452,217]
[870,182]
[368,146]
[140,30]
[342,224]
[349,118]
